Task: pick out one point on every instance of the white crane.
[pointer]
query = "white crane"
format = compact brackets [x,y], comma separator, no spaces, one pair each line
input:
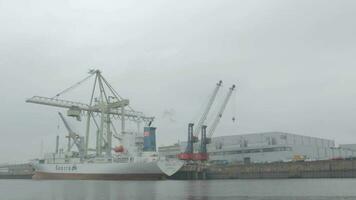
[72,105]
[205,138]
[107,103]
[77,140]
[220,113]
[207,109]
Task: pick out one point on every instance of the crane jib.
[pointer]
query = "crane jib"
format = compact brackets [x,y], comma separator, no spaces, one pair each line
[70,104]
[208,108]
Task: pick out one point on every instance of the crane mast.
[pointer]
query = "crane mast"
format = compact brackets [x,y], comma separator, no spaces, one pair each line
[207,109]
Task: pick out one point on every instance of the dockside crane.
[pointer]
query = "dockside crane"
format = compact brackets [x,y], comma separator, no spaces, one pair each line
[193,135]
[206,136]
[207,109]
[105,103]
[78,141]
[220,113]
[202,155]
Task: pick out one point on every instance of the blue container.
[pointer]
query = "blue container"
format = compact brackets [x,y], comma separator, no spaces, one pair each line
[149,139]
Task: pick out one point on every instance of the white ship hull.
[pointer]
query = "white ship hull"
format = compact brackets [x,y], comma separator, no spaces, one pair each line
[107,171]
[110,171]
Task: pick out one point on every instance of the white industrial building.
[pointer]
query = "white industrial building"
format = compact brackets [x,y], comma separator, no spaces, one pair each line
[266,147]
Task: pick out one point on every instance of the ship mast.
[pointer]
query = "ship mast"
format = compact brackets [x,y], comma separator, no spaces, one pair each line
[104,102]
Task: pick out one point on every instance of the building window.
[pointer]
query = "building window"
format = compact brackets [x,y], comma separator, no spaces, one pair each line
[245,151]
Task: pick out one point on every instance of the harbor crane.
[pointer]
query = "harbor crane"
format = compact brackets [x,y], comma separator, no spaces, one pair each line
[205,137]
[78,141]
[105,103]
[220,113]
[193,135]
[207,109]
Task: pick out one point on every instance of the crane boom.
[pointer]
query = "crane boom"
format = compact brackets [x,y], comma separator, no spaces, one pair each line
[105,104]
[220,113]
[71,104]
[66,124]
[78,141]
[207,109]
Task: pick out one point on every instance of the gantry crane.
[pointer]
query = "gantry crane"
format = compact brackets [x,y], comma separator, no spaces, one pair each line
[78,141]
[105,103]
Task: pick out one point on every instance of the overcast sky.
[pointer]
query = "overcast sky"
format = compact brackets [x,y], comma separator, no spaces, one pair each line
[293,63]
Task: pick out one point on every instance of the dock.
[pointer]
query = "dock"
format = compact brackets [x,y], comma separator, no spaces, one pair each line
[16,171]
[278,170]
[204,171]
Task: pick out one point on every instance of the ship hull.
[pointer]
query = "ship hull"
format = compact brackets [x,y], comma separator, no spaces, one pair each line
[99,171]
[80,176]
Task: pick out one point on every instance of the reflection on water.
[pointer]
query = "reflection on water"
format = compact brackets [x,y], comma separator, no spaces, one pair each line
[291,189]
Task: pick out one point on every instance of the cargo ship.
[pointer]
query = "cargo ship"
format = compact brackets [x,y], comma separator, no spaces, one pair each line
[147,167]
[133,157]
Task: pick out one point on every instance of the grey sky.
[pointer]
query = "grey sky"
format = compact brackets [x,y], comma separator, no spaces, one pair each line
[293,62]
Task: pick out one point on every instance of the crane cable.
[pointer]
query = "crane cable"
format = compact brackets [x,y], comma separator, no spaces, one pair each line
[115,92]
[234,107]
[202,116]
[215,110]
[198,114]
[73,86]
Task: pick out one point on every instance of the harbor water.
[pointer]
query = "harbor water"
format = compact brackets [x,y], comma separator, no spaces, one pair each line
[273,189]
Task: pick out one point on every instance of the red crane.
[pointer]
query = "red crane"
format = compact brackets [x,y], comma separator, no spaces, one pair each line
[202,155]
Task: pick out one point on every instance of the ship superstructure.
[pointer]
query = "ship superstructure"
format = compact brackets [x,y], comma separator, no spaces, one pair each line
[106,115]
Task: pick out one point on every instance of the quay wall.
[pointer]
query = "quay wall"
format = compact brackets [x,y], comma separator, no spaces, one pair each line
[312,169]
[16,171]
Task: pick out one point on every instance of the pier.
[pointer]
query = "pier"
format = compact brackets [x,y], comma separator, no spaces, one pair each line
[278,170]
[204,171]
[16,171]
[311,169]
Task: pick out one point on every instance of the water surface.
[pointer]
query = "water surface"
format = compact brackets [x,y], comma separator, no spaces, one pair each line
[282,189]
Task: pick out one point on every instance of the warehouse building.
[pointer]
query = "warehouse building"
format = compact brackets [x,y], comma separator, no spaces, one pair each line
[266,147]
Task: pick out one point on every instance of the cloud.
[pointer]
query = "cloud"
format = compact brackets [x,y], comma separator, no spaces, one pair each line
[293,62]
